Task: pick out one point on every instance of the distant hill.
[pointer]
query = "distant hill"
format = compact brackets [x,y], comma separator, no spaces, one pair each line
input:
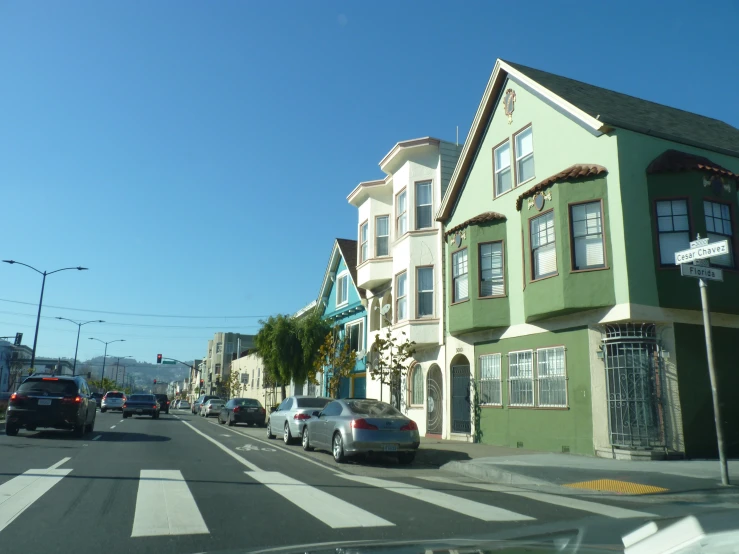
[143,373]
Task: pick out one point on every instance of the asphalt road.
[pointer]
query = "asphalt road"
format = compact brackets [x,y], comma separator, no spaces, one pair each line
[183,484]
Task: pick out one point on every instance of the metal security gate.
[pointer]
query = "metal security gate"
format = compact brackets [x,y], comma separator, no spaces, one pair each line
[634,385]
[435,402]
[461,421]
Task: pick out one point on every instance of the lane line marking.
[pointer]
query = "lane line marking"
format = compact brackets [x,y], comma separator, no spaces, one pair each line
[113,427]
[179,515]
[121,421]
[565,501]
[457,504]
[97,437]
[333,511]
[223,447]
[22,491]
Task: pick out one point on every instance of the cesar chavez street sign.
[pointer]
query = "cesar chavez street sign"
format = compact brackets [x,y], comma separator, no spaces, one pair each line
[702,252]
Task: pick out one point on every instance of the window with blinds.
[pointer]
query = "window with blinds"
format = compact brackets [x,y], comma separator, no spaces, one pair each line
[425,290]
[502,160]
[401,209]
[551,377]
[586,224]
[342,289]
[521,378]
[459,276]
[401,296]
[543,251]
[417,386]
[524,156]
[424,201]
[363,242]
[491,269]
[490,379]
[673,228]
[382,236]
[718,225]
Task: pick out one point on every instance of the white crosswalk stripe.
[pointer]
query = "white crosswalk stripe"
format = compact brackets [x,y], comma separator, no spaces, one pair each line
[165,506]
[20,492]
[334,512]
[470,508]
[566,501]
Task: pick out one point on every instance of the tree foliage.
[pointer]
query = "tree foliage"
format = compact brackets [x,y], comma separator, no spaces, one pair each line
[232,384]
[335,359]
[390,359]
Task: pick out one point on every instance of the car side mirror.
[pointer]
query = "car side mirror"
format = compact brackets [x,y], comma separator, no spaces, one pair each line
[316,413]
[272,410]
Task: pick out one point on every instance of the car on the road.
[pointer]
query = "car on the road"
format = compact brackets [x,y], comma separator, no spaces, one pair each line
[200,401]
[98,399]
[62,402]
[183,405]
[113,400]
[361,426]
[289,417]
[242,410]
[4,398]
[212,407]
[176,403]
[163,403]
[141,404]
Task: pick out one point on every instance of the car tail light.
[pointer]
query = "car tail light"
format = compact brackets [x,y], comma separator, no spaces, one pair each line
[363,424]
[236,409]
[167,402]
[71,400]
[49,379]
[301,416]
[16,399]
[125,405]
[262,411]
[155,406]
[410,426]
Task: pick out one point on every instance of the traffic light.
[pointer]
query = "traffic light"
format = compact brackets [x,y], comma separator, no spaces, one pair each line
[202,382]
[159,358]
[155,381]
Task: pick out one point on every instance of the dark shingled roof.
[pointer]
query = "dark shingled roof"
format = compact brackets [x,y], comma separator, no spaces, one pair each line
[482,218]
[348,249]
[675,160]
[572,173]
[642,116]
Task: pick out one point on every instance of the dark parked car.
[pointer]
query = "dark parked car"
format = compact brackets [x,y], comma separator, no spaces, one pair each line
[242,410]
[62,402]
[163,403]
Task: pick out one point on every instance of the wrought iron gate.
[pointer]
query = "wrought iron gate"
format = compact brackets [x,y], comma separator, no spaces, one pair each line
[461,421]
[435,402]
[634,385]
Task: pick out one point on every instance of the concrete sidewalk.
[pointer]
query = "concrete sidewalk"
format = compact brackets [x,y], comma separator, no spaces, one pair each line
[572,473]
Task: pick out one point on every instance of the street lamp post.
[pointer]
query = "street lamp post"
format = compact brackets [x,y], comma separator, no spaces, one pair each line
[117,365]
[79,327]
[102,375]
[41,300]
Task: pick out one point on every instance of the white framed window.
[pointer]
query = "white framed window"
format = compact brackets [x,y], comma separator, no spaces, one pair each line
[218,369]
[460,288]
[354,333]
[424,201]
[502,162]
[521,378]
[490,380]
[543,248]
[382,235]
[401,209]
[416,381]
[524,156]
[718,227]
[363,242]
[425,291]
[229,348]
[219,347]
[401,296]
[342,289]
[673,228]
[586,222]
[492,282]
[551,377]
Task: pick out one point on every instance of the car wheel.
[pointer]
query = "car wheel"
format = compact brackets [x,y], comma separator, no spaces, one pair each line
[338,449]
[269,431]
[230,422]
[406,458]
[11,430]
[79,430]
[125,416]
[92,426]
[30,427]
[287,436]
[306,441]
[103,410]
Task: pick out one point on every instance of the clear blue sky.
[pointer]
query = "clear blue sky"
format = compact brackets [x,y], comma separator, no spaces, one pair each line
[196,156]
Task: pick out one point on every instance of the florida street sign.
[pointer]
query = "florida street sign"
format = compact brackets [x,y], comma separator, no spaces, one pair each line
[701,272]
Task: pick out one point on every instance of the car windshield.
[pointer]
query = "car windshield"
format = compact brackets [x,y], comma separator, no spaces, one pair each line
[114,395]
[48,386]
[372,408]
[247,402]
[312,402]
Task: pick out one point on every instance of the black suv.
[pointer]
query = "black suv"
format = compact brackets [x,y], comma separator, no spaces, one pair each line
[62,402]
[163,403]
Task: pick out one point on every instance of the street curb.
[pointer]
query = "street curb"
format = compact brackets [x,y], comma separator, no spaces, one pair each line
[494,474]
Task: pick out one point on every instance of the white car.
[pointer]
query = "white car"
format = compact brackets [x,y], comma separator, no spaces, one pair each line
[183,405]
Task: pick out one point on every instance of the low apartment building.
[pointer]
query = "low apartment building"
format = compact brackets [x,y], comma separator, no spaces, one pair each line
[223,348]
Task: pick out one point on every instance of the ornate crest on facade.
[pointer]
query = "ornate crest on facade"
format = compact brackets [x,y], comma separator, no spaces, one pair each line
[537,201]
[717,183]
[457,238]
[509,104]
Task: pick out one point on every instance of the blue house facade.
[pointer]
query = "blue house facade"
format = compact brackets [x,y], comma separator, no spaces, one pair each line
[342,303]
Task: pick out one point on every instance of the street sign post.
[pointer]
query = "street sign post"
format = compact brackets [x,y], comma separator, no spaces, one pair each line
[170,362]
[698,253]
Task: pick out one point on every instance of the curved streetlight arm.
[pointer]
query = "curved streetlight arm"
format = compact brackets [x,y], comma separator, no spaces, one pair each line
[78,268]
[21,263]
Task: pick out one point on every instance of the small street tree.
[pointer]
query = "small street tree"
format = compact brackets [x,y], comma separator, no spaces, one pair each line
[390,359]
[232,384]
[335,359]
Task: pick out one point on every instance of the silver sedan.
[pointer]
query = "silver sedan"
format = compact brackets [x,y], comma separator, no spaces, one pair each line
[287,420]
[212,407]
[361,426]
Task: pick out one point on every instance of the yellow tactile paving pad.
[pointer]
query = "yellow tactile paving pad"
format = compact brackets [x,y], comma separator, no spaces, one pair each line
[613,485]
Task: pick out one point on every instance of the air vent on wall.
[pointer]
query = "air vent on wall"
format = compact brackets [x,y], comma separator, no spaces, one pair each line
[519,444]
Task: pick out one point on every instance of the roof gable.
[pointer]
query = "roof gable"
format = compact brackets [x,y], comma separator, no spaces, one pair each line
[343,253]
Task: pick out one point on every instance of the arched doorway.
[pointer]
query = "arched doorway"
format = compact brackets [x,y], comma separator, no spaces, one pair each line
[435,401]
[461,407]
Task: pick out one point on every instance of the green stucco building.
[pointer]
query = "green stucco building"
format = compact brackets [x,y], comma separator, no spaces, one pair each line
[563,303]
